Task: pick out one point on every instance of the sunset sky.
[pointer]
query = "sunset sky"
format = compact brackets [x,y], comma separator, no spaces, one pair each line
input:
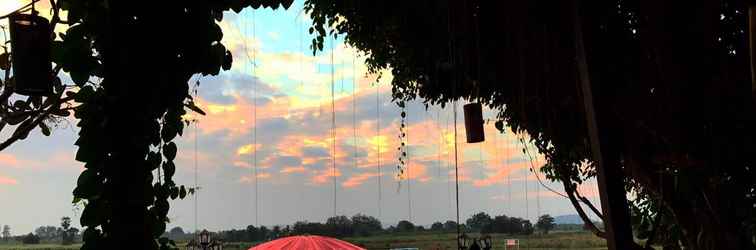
[292,91]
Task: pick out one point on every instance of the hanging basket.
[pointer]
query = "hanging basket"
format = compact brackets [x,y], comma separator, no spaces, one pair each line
[474,122]
[30,54]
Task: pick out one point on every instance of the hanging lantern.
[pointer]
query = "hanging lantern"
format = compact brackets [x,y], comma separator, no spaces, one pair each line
[30,55]
[474,122]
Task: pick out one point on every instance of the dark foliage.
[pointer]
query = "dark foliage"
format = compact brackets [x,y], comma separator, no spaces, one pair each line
[670,82]
[545,223]
[30,239]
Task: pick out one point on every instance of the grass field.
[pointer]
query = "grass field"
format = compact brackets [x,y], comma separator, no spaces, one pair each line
[555,240]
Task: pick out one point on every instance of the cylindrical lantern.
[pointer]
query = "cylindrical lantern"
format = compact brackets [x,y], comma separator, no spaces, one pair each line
[474,122]
[30,54]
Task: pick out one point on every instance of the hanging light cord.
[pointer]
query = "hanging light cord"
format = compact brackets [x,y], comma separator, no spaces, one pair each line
[378,142]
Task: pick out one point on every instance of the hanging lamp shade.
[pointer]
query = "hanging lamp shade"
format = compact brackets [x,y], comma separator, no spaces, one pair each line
[30,54]
[474,122]
[306,243]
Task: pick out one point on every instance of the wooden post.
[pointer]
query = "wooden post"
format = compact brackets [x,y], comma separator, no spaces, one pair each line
[609,176]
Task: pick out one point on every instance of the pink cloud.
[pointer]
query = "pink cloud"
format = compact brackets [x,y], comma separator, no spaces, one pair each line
[500,175]
[251,179]
[291,170]
[357,180]
[324,176]
[7,181]
[7,160]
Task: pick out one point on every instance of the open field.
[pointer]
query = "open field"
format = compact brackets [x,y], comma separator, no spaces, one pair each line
[556,240]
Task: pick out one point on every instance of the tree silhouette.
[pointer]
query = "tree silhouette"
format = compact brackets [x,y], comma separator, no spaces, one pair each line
[142,57]
[670,83]
[545,223]
[6,233]
[479,221]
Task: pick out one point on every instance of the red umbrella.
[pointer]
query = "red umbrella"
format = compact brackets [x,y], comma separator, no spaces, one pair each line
[307,243]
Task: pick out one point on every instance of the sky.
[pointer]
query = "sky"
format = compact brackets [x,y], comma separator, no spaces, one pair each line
[264,153]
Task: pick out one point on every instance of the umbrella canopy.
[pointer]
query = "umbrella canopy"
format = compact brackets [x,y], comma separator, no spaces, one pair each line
[307,243]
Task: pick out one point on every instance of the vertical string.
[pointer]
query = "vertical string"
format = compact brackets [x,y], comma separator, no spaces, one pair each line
[440,142]
[507,142]
[244,34]
[333,123]
[196,167]
[354,112]
[254,120]
[409,166]
[378,142]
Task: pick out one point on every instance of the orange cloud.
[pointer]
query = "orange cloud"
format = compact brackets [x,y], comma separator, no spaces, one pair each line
[324,176]
[7,160]
[248,149]
[251,179]
[242,164]
[500,175]
[7,181]
[290,170]
[357,180]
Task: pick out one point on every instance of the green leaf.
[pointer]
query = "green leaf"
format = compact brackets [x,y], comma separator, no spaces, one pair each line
[87,184]
[84,94]
[169,151]
[499,125]
[228,60]
[182,192]
[287,3]
[168,132]
[169,169]
[80,78]
[93,214]
[45,129]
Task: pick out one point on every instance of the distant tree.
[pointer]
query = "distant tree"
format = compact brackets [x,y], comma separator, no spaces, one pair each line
[276,232]
[502,224]
[6,233]
[177,231]
[67,233]
[450,226]
[405,226]
[30,239]
[479,221]
[366,225]
[437,226]
[48,232]
[339,226]
[545,223]
[264,233]
[252,233]
[527,227]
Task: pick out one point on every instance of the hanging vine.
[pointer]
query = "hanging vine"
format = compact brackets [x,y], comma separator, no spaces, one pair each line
[402,149]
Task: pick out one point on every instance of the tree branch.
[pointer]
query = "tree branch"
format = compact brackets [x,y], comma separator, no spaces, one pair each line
[589,204]
[21,131]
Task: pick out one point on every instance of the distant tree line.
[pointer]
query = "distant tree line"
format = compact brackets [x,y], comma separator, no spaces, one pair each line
[484,223]
[361,225]
[65,234]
